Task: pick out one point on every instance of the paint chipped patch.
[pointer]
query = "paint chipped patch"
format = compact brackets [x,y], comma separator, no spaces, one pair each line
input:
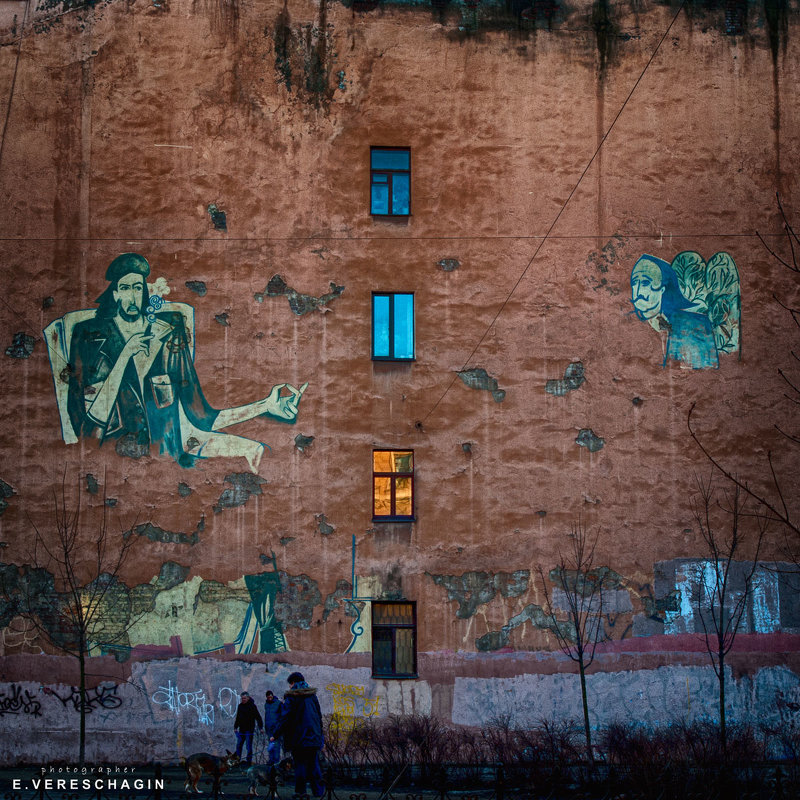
[448,264]
[21,346]
[588,439]
[223,319]
[322,525]
[334,600]
[6,491]
[299,303]
[538,618]
[156,534]
[244,485]
[198,287]
[302,443]
[219,218]
[573,378]
[479,378]
[474,589]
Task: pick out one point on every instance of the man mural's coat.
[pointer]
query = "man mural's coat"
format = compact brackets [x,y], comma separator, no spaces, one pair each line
[146,411]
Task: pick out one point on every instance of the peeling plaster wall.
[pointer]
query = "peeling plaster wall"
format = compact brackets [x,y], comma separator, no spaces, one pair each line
[229,145]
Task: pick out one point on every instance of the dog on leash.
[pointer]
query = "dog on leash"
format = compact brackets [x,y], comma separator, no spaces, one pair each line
[264,775]
[215,766]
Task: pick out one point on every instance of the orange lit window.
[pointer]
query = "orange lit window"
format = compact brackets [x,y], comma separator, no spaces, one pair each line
[392,485]
[394,639]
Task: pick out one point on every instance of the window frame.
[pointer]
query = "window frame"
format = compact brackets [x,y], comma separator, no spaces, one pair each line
[393,627]
[392,356]
[389,173]
[392,517]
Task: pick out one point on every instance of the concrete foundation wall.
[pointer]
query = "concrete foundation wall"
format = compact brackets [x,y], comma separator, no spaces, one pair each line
[170,709]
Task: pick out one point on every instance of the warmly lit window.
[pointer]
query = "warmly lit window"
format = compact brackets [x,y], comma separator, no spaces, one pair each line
[394,639]
[393,326]
[392,484]
[390,179]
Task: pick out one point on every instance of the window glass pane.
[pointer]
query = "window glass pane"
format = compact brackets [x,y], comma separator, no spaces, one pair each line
[380,325]
[382,651]
[380,178]
[380,198]
[402,460]
[404,326]
[404,651]
[402,500]
[392,614]
[391,159]
[400,193]
[382,461]
[382,497]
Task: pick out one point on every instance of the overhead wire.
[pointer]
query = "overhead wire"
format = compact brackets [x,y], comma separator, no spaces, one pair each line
[558,215]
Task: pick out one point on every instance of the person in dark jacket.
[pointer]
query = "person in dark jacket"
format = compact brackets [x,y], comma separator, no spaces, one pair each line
[247,717]
[300,724]
[272,710]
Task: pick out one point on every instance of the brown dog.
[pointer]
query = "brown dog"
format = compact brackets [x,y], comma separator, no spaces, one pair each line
[215,766]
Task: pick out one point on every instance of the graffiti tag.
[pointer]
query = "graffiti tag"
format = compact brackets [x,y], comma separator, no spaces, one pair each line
[177,701]
[17,703]
[103,696]
[228,700]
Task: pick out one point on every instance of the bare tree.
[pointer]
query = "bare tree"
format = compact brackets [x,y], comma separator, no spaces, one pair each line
[70,590]
[775,501]
[724,582]
[578,595]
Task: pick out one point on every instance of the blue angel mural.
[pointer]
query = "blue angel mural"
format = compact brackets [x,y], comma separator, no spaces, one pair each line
[693,304]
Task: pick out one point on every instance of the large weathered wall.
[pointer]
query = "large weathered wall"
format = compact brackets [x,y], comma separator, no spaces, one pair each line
[228,143]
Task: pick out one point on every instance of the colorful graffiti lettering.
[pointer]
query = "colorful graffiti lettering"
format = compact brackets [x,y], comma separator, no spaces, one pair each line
[177,701]
[18,703]
[693,304]
[135,339]
[103,696]
[350,704]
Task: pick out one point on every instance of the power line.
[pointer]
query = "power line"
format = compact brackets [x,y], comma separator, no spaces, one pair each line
[560,212]
[13,83]
[455,238]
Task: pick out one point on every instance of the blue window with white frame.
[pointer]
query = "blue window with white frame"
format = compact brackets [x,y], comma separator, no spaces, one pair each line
[390,179]
[392,326]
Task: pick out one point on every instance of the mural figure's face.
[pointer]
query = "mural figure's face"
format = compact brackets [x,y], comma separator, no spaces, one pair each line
[647,289]
[129,295]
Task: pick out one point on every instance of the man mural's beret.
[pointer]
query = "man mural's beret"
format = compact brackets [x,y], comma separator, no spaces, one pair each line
[125,264]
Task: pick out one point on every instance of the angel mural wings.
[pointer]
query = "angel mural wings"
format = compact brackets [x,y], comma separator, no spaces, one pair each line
[693,304]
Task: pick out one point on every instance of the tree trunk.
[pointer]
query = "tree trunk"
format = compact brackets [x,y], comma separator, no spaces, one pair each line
[723,731]
[82,750]
[586,727]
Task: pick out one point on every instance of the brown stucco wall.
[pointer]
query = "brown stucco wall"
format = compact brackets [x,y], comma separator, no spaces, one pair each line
[545,161]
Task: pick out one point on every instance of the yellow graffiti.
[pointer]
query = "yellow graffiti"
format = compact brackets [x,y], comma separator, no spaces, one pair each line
[350,705]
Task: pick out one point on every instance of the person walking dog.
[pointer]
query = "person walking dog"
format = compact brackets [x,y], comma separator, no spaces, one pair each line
[300,724]
[247,717]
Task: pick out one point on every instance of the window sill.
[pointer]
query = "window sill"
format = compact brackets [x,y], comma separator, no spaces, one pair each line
[390,360]
[394,519]
[391,676]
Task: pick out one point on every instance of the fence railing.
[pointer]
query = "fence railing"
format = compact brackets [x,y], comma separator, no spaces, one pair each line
[763,781]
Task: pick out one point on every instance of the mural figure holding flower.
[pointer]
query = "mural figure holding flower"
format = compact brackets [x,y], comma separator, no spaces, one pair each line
[131,378]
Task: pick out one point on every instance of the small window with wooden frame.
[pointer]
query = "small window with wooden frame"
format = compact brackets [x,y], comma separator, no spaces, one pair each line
[394,639]
[392,485]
